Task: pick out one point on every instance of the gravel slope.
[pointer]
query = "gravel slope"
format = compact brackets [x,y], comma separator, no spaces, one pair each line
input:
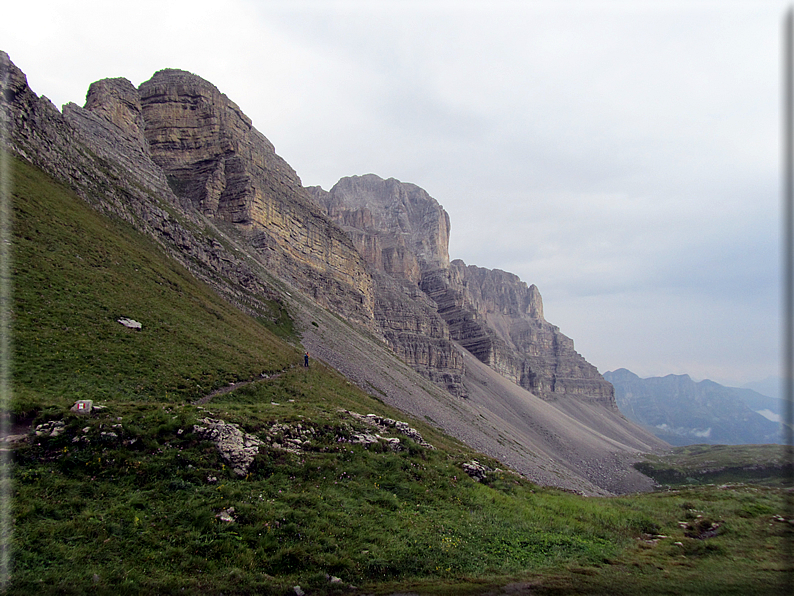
[571,444]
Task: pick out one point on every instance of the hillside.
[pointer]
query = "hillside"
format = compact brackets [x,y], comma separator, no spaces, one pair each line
[682,412]
[211,461]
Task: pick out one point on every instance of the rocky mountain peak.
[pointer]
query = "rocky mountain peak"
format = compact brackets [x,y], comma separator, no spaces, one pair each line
[117,101]
[403,232]
[397,226]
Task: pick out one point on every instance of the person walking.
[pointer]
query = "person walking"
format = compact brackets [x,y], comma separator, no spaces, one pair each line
[306,359]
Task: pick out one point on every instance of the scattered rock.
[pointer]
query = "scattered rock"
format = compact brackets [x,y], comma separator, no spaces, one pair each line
[293,439]
[132,324]
[476,470]
[298,591]
[52,428]
[227,515]
[385,424]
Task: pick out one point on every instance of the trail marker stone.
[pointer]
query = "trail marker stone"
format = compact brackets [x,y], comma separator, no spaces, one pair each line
[83,406]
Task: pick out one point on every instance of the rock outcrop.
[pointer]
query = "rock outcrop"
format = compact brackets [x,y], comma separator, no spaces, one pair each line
[499,319]
[236,447]
[99,153]
[214,158]
[403,233]
[397,227]
[400,231]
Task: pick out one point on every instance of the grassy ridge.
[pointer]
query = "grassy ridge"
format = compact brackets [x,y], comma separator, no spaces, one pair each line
[718,464]
[126,501]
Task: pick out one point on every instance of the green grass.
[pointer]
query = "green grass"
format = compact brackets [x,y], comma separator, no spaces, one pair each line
[136,513]
[76,273]
[718,464]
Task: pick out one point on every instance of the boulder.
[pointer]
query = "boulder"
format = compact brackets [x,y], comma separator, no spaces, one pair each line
[238,448]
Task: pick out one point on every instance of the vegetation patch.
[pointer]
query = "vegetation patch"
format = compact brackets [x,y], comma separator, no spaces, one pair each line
[718,464]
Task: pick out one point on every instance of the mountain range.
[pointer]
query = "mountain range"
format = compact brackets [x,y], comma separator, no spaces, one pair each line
[362,270]
[684,412]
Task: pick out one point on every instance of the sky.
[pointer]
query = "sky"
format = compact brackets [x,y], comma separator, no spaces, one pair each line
[624,157]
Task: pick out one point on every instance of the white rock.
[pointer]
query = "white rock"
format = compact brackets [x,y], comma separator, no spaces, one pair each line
[131,323]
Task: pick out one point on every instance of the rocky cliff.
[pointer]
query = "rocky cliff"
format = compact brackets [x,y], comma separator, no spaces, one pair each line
[214,158]
[519,343]
[102,156]
[367,276]
[403,233]
[400,231]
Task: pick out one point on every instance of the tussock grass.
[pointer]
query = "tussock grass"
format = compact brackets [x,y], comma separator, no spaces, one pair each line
[136,512]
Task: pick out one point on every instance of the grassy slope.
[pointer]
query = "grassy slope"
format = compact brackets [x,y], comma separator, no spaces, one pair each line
[135,513]
[718,464]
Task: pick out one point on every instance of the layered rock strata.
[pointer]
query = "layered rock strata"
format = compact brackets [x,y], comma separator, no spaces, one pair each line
[511,335]
[214,158]
[100,154]
[400,231]
[403,233]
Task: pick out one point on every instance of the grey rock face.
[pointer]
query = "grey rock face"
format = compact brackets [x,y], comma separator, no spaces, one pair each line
[400,231]
[501,319]
[98,153]
[216,160]
[125,150]
[403,233]
[397,226]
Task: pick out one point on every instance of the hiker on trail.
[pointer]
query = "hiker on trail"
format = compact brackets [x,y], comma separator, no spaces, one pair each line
[306,359]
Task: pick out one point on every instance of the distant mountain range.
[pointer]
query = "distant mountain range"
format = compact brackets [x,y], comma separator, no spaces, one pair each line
[684,412]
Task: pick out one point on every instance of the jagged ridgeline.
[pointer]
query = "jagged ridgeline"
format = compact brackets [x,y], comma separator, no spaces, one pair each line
[362,272]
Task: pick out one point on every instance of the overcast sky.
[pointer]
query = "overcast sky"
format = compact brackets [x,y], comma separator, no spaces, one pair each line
[622,156]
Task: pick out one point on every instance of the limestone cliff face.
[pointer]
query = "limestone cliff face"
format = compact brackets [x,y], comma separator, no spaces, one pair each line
[398,227]
[214,158]
[128,148]
[521,344]
[403,233]
[101,155]
[400,230]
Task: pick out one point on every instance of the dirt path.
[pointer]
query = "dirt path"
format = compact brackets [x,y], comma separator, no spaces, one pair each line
[229,388]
